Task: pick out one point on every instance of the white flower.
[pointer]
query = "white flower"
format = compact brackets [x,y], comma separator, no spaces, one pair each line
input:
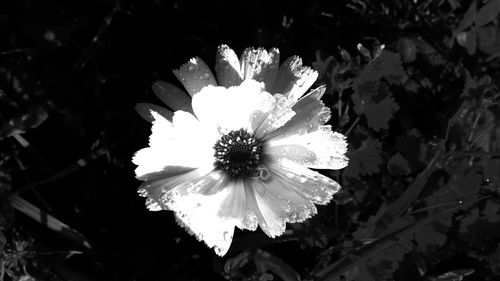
[243,158]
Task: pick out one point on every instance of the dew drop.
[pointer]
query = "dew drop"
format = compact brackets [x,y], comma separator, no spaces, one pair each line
[191,68]
[227,236]
[218,250]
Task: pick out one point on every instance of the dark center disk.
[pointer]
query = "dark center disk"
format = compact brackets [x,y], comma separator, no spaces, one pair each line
[238,153]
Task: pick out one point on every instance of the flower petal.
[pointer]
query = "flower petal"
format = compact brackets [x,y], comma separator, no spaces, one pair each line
[195,75]
[310,114]
[197,205]
[183,143]
[144,109]
[236,206]
[280,114]
[278,203]
[155,189]
[312,185]
[150,166]
[321,149]
[260,65]
[172,96]
[240,107]
[293,79]
[227,67]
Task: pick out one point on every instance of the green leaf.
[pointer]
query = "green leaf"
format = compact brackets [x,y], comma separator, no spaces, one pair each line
[469,17]
[372,249]
[469,220]
[395,210]
[492,172]
[372,98]
[427,236]
[468,184]
[264,261]
[487,13]
[467,39]
[49,221]
[365,160]
[30,120]
[491,211]
[379,114]
[3,241]
[398,165]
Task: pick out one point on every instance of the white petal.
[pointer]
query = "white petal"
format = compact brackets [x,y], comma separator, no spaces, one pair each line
[293,79]
[195,75]
[321,149]
[237,206]
[312,185]
[156,189]
[151,164]
[198,204]
[260,65]
[280,114]
[185,143]
[240,107]
[227,67]
[278,203]
[310,114]
[172,96]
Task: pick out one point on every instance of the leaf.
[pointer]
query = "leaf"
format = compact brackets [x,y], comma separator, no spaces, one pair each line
[264,261]
[234,264]
[492,172]
[469,17]
[491,211]
[469,220]
[467,39]
[3,241]
[487,13]
[427,236]
[388,64]
[30,120]
[374,248]
[398,207]
[321,65]
[80,163]
[407,49]
[372,98]
[379,114]
[365,160]
[398,166]
[468,184]
[49,221]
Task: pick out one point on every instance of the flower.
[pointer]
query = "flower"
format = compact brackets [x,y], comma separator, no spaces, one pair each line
[239,154]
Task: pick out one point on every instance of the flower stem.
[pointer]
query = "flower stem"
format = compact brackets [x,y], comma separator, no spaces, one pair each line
[353,125]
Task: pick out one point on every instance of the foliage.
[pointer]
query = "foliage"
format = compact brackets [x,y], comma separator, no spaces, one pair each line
[421,194]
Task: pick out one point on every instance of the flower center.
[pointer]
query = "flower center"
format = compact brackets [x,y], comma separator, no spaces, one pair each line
[238,153]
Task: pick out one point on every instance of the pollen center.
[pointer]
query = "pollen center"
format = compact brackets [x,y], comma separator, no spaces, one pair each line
[238,153]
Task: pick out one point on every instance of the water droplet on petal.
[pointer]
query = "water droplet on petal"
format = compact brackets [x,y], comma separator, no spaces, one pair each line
[227,236]
[191,68]
[218,250]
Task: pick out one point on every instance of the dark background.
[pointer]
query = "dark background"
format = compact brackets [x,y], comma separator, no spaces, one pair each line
[87,63]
